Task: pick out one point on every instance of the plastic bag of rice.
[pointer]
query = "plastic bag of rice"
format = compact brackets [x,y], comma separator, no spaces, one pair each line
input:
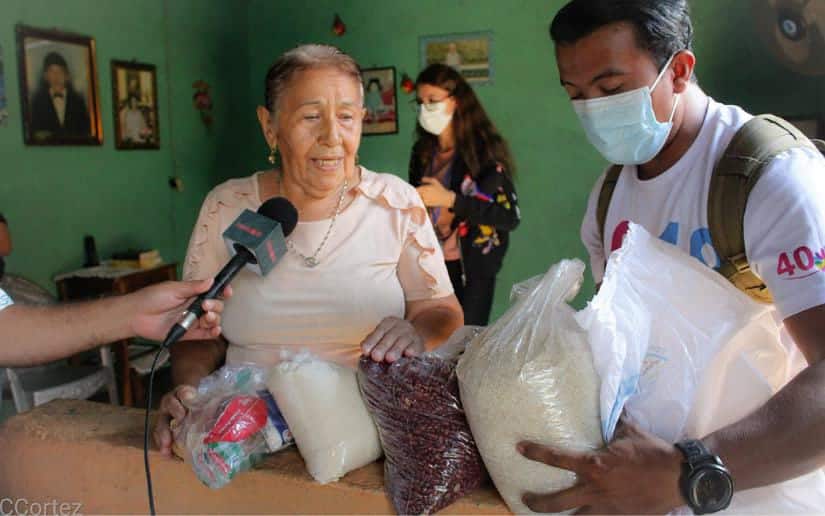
[431,457]
[530,376]
[324,410]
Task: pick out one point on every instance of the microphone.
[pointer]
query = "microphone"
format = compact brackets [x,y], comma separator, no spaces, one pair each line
[257,239]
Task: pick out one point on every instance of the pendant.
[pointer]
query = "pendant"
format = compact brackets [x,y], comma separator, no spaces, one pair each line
[311,262]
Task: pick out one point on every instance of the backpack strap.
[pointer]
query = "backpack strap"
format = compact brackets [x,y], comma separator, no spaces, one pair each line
[752,147]
[606,193]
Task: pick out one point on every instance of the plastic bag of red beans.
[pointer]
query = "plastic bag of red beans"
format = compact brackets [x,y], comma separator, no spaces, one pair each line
[431,457]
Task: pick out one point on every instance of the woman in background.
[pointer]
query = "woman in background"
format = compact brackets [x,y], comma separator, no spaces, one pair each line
[463,170]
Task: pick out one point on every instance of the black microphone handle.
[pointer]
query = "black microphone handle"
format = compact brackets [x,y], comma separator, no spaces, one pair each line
[223,278]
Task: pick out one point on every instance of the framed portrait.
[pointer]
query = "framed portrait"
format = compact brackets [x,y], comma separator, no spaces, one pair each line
[471,54]
[58,87]
[4,113]
[811,126]
[135,104]
[380,101]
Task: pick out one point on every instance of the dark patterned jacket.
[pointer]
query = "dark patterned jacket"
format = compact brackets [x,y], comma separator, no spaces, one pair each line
[486,210]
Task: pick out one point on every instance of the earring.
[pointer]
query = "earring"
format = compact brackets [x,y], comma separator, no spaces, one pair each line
[272,158]
[356,160]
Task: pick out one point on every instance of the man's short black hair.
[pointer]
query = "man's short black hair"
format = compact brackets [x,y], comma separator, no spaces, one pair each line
[53,58]
[663,27]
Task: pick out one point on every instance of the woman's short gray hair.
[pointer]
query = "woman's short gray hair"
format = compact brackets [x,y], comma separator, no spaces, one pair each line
[305,57]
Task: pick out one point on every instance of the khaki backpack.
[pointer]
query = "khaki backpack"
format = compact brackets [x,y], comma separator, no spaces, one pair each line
[734,176]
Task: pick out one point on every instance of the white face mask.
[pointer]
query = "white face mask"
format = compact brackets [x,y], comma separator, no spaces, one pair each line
[433,117]
[623,127]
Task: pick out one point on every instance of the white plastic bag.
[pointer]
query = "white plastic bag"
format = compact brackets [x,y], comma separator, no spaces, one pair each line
[328,419]
[530,376]
[684,353]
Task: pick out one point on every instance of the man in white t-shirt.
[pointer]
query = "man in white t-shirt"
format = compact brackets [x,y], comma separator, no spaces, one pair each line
[34,335]
[628,68]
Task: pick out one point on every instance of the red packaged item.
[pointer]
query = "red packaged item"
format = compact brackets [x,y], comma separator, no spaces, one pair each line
[242,417]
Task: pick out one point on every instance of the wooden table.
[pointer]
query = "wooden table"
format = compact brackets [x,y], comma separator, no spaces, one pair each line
[103,280]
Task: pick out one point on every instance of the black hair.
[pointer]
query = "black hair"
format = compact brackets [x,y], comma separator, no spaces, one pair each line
[662,27]
[374,80]
[53,58]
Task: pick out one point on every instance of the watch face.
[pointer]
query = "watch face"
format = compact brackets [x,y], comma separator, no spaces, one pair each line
[711,489]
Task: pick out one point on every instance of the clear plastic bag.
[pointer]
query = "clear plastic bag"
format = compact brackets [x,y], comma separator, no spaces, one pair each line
[322,405]
[530,376]
[431,456]
[232,422]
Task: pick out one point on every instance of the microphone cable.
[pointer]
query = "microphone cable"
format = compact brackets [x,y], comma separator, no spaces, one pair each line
[149,389]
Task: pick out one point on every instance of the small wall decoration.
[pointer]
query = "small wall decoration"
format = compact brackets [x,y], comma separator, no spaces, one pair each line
[58,87]
[407,84]
[203,101]
[339,28]
[135,103]
[380,101]
[471,54]
[4,113]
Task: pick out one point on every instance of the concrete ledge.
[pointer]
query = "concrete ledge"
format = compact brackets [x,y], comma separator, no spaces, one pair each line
[92,454]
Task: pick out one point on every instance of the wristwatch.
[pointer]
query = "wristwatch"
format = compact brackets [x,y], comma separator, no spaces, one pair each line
[705,483]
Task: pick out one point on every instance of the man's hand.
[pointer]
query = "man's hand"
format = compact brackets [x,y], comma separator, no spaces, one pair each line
[153,310]
[392,339]
[636,473]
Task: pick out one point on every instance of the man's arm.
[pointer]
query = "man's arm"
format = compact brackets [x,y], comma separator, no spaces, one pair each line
[35,335]
[785,438]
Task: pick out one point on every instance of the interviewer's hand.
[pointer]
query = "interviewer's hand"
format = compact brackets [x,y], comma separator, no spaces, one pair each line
[156,308]
[173,409]
[392,339]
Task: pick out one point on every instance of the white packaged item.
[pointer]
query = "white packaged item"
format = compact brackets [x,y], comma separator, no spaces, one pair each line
[328,419]
[530,376]
[684,353]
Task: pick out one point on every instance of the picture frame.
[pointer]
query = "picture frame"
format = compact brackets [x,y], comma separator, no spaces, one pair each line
[4,112]
[380,101]
[470,53]
[811,126]
[135,105]
[60,103]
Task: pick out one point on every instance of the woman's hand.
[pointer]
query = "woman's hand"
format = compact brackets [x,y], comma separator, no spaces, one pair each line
[172,411]
[434,194]
[392,339]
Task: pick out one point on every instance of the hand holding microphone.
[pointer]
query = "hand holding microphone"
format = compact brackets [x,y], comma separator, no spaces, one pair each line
[258,239]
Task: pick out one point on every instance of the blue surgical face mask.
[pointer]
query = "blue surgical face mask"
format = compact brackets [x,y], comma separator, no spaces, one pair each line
[623,127]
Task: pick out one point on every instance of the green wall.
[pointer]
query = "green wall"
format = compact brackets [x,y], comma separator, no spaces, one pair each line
[556,167]
[53,196]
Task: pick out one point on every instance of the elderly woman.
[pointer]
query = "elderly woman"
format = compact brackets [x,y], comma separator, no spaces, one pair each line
[364,274]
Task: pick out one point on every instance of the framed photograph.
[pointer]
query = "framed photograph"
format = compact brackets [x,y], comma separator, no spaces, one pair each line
[4,113]
[380,101]
[471,54]
[811,126]
[135,104]
[58,87]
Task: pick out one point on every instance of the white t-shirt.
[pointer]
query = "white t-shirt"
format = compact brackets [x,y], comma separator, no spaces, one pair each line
[5,300]
[784,218]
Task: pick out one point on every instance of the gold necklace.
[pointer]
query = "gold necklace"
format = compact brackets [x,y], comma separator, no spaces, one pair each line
[313,261]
